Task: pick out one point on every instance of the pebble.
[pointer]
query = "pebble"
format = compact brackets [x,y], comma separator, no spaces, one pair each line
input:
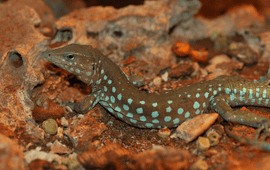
[157,81]
[213,137]
[165,132]
[50,126]
[203,144]
[64,122]
[199,165]
[191,129]
[181,49]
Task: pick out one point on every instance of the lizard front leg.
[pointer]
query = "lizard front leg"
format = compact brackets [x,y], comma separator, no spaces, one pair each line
[87,104]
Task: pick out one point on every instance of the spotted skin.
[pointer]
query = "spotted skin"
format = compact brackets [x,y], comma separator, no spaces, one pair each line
[115,92]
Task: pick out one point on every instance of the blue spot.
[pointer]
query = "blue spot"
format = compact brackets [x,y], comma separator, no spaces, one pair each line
[113,89]
[149,125]
[125,107]
[219,89]
[204,104]
[129,101]
[143,118]
[266,101]
[77,71]
[180,111]
[110,110]
[106,98]
[260,100]
[244,90]
[210,89]
[105,88]
[154,104]
[112,99]
[264,93]
[210,85]
[142,102]
[214,92]
[133,121]
[219,85]
[129,115]
[227,90]
[119,96]
[257,94]
[168,109]
[232,97]
[197,95]
[198,89]
[155,121]
[241,98]
[206,94]
[170,101]
[139,110]
[155,114]
[250,93]
[257,89]
[176,121]
[118,109]
[241,92]
[179,95]
[105,77]
[88,73]
[235,90]
[187,114]
[109,81]
[102,71]
[196,105]
[120,115]
[197,112]
[188,95]
[167,118]
[253,100]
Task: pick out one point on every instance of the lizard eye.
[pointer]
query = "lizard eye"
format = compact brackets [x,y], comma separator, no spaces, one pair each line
[70,57]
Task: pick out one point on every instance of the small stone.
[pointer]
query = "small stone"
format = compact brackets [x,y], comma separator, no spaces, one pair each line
[130,60]
[64,122]
[157,81]
[58,147]
[191,129]
[181,49]
[213,138]
[199,165]
[199,56]
[80,116]
[203,144]
[181,69]
[165,76]
[165,132]
[50,126]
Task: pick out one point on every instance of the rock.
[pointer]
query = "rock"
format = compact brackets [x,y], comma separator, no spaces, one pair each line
[191,129]
[50,126]
[11,154]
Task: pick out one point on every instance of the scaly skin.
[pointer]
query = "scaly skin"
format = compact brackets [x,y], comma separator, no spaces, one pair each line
[115,92]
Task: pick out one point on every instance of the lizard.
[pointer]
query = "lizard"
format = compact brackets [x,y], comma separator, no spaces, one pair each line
[112,89]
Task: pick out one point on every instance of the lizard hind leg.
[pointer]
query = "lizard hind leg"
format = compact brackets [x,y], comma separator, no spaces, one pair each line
[220,105]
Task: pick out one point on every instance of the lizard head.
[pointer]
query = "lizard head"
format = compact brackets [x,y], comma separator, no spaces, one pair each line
[80,60]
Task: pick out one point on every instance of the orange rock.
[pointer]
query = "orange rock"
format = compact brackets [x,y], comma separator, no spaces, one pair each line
[130,60]
[48,109]
[181,49]
[199,56]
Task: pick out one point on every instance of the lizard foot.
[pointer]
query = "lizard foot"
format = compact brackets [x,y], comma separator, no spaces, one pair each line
[256,143]
[259,131]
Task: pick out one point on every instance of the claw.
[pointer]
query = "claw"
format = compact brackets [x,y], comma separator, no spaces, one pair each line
[260,129]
